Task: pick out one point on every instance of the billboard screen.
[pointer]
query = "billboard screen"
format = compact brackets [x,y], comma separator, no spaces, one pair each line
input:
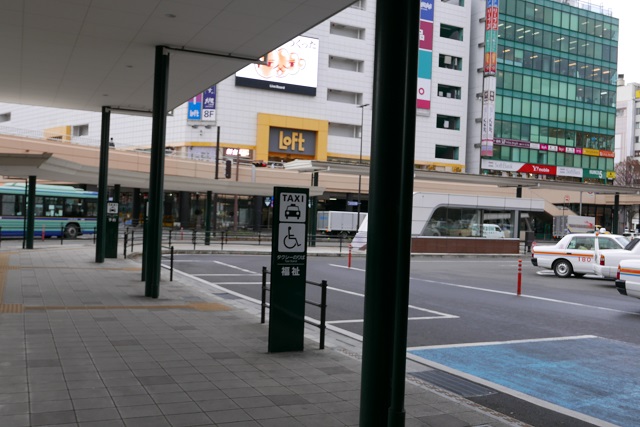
[293,68]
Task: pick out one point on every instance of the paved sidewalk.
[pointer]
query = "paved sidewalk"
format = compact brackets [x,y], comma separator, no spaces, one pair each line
[81,346]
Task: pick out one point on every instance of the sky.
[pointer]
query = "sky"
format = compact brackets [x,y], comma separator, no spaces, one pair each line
[628,12]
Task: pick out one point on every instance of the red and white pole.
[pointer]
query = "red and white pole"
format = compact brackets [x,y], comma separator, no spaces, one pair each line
[43,233]
[519,277]
[349,258]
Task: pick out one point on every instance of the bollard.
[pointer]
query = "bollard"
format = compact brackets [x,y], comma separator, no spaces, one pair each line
[181,233]
[43,233]
[349,258]
[519,277]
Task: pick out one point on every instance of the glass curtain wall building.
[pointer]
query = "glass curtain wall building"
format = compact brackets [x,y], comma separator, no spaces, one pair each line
[554,105]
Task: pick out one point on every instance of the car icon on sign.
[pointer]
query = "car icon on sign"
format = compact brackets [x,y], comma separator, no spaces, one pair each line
[292,210]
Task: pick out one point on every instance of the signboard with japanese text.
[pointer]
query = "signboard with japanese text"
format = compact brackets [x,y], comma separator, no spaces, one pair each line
[195,108]
[209,105]
[288,269]
[425,55]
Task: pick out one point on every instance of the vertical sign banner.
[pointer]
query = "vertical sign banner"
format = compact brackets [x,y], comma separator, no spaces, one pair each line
[425,55]
[195,108]
[491,38]
[288,270]
[488,116]
[489,82]
[209,105]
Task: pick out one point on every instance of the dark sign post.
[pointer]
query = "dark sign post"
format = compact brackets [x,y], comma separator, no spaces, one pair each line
[111,241]
[288,269]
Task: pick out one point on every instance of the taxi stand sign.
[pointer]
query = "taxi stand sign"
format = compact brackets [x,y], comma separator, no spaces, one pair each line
[288,269]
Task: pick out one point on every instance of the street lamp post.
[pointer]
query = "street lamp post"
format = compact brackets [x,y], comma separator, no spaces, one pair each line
[361,107]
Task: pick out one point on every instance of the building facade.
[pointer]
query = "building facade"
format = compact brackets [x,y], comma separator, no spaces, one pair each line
[509,87]
[627,120]
[312,100]
[552,114]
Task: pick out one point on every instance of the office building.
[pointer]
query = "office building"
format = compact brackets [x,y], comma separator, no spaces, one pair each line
[547,104]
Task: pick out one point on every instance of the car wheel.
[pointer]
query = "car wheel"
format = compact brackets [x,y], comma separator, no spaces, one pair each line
[562,268]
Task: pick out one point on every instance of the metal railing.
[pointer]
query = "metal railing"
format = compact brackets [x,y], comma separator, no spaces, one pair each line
[322,305]
[202,240]
[18,233]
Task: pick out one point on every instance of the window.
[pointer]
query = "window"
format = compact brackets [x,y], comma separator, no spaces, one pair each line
[359,4]
[346,64]
[454,2]
[346,31]
[81,130]
[450,32]
[343,96]
[449,91]
[450,62]
[342,129]
[5,117]
[448,122]
[446,152]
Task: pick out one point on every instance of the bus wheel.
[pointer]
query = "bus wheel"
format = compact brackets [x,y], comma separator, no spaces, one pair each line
[71,231]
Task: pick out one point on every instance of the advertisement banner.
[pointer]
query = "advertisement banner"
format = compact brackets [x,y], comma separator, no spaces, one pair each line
[194,111]
[590,152]
[488,116]
[572,172]
[594,174]
[607,154]
[500,165]
[538,169]
[209,104]
[425,55]
[293,68]
[491,38]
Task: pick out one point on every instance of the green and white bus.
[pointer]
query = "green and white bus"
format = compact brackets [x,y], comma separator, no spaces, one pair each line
[59,209]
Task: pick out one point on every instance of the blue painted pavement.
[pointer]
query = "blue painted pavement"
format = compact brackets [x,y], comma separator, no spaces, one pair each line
[594,376]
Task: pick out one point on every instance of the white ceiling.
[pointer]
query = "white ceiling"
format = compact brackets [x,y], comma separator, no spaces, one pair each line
[86,54]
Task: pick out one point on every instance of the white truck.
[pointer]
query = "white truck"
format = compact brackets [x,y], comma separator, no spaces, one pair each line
[338,222]
[566,224]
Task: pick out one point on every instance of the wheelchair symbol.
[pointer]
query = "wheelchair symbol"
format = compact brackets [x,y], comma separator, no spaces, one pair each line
[290,241]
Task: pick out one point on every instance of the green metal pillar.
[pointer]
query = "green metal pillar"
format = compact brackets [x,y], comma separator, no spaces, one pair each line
[101,220]
[156,178]
[207,219]
[390,203]
[31,212]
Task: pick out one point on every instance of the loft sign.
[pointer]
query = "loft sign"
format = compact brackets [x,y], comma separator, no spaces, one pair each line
[292,141]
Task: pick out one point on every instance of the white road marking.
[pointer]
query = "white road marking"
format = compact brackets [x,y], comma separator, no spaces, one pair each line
[226,274]
[235,267]
[478,344]
[557,301]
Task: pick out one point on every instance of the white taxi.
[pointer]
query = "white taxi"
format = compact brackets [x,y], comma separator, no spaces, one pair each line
[575,253]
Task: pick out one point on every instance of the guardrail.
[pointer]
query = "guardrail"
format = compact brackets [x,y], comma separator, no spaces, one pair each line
[227,239]
[38,234]
[322,304]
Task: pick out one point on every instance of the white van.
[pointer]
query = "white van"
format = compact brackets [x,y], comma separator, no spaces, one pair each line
[490,231]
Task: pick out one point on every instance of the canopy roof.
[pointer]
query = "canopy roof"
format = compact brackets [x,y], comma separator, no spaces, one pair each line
[86,54]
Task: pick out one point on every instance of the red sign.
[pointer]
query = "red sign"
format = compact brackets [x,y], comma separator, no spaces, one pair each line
[609,154]
[538,169]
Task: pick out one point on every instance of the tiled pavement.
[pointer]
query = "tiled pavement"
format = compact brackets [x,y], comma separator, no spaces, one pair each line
[81,346]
